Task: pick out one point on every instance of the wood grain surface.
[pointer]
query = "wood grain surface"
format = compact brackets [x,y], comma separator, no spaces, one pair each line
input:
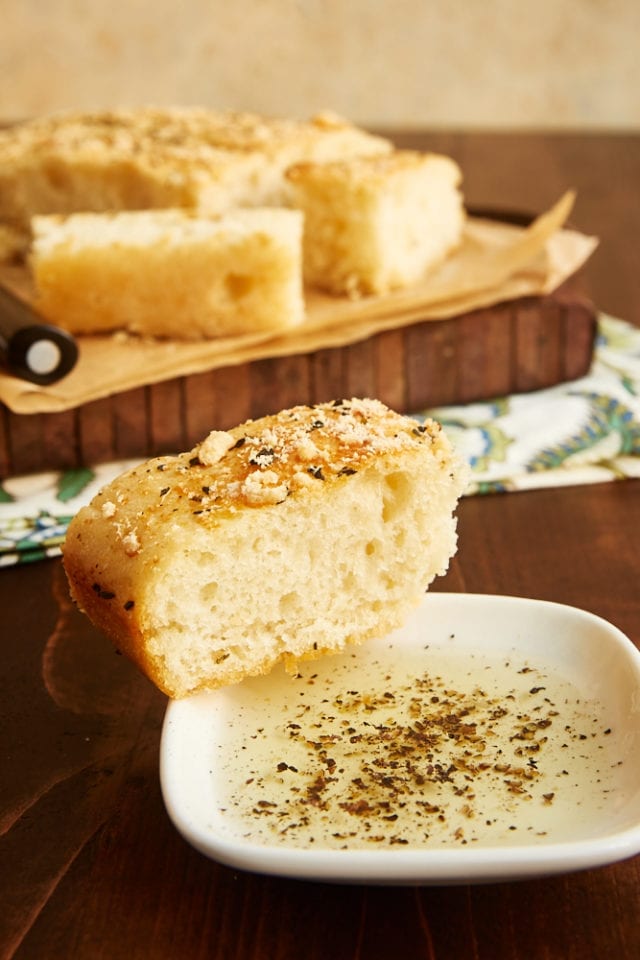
[90,865]
[510,347]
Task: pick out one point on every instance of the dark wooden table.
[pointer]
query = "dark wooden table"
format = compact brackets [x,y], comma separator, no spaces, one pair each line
[90,865]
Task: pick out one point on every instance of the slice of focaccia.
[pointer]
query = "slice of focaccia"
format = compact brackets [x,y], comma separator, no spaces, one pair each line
[284,538]
[378,223]
[170,273]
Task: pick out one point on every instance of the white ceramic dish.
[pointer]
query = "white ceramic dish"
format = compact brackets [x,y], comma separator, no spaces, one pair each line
[586,815]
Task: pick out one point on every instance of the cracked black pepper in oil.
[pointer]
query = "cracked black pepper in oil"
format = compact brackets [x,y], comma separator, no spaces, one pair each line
[423,749]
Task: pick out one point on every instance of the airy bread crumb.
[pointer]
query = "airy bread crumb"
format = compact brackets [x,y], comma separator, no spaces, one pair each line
[374,224]
[316,527]
[169,273]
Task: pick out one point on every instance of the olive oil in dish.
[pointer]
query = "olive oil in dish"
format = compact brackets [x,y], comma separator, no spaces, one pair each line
[412,748]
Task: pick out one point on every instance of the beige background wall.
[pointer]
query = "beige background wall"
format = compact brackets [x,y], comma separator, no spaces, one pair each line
[444,63]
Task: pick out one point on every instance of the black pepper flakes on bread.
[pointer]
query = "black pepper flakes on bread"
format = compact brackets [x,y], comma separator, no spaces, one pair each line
[284,538]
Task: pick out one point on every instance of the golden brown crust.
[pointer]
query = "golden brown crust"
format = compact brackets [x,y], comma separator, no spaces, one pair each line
[263,462]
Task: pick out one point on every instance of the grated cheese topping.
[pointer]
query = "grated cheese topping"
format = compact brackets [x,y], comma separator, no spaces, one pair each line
[263,462]
[267,460]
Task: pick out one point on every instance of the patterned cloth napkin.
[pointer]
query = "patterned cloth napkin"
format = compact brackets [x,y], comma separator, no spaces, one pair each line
[586,431]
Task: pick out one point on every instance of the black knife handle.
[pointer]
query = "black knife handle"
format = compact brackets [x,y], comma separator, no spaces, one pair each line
[31,348]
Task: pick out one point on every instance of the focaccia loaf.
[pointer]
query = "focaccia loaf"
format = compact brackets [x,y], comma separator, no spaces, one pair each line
[144,158]
[283,538]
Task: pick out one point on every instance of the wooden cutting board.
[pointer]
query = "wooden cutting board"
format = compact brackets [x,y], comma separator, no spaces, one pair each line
[511,347]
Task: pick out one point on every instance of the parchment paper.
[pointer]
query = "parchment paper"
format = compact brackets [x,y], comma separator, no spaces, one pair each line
[495,262]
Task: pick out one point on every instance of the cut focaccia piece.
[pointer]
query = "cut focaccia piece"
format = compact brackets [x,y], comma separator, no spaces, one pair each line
[169,273]
[375,224]
[284,538]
